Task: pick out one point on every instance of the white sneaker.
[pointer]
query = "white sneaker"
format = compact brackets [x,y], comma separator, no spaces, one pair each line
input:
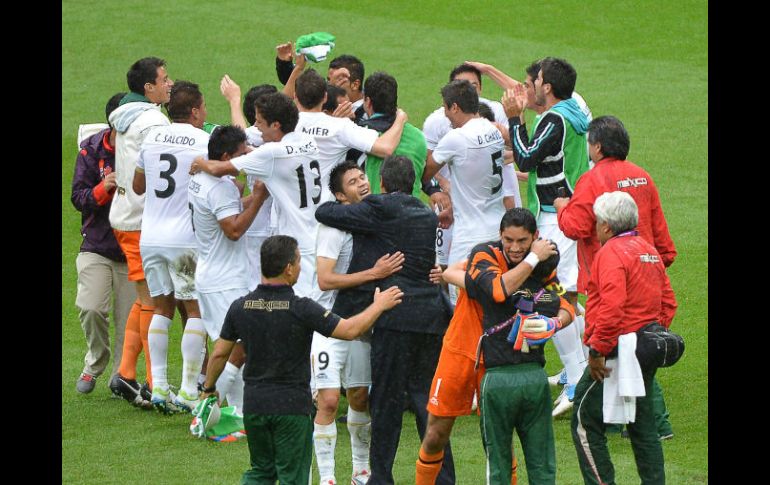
[563,402]
[558,378]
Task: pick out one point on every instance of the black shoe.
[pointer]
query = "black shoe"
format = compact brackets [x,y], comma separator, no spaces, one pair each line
[129,390]
[145,391]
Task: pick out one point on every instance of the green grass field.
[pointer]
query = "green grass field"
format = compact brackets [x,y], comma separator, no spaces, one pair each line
[644,62]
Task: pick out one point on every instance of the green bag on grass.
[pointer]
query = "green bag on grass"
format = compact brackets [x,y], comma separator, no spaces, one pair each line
[215,423]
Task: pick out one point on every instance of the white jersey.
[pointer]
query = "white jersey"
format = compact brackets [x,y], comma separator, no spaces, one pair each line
[334,137]
[222,263]
[165,157]
[437,125]
[474,154]
[333,244]
[291,171]
[261,225]
[132,121]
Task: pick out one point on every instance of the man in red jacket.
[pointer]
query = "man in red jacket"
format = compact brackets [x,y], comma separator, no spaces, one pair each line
[608,145]
[628,289]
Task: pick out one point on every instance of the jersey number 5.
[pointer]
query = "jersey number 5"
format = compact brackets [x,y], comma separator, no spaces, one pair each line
[497,169]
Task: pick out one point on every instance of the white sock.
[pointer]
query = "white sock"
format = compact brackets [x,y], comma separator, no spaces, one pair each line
[324,442]
[193,340]
[201,378]
[360,429]
[580,326]
[235,394]
[158,340]
[570,353]
[226,380]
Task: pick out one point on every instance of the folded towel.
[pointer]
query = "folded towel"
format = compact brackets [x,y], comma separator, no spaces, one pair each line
[624,383]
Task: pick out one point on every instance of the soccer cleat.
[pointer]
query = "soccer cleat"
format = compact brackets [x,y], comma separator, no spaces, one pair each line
[145,391]
[564,401]
[128,389]
[163,401]
[560,378]
[185,402]
[360,478]
[86,383]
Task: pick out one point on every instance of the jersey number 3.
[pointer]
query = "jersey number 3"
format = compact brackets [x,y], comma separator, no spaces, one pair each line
[166,175]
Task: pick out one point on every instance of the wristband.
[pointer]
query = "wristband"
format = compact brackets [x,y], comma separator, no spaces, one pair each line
[203,388]
[431,187]
[532,259]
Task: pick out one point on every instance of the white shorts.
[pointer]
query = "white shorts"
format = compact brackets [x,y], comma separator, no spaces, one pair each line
[170,270]
[443,244]
[307,276]
[253,246]
[548,225]
[214,307]
[340,362]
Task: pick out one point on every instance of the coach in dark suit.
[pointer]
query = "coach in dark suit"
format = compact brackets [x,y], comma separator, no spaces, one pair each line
[406,341]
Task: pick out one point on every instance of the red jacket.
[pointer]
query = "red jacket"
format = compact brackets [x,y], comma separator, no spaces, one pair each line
[628,289]
[578,222]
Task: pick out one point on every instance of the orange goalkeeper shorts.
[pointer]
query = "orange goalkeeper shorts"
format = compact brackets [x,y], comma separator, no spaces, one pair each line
[454,384]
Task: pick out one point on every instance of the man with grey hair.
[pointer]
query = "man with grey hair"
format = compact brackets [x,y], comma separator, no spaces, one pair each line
[628,290]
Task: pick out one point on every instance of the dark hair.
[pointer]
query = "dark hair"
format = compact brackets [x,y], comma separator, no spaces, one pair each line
[339,171]
[113,103]
[353,65]
[462,93]
[560,75]
[486,112]
[143,71]
[184,97]
[249,110]
[464,68]
[519,217]
[310,89]
[278,107]
[545,269]
[332,93]
[276,253]
[610,132]
[382,89]
[397,174]
[225,139]
[533,69]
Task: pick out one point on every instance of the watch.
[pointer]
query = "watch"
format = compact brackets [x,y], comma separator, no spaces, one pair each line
[203,388]
[593,353]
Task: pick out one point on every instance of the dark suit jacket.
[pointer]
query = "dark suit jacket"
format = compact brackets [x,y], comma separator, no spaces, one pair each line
[386,223]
